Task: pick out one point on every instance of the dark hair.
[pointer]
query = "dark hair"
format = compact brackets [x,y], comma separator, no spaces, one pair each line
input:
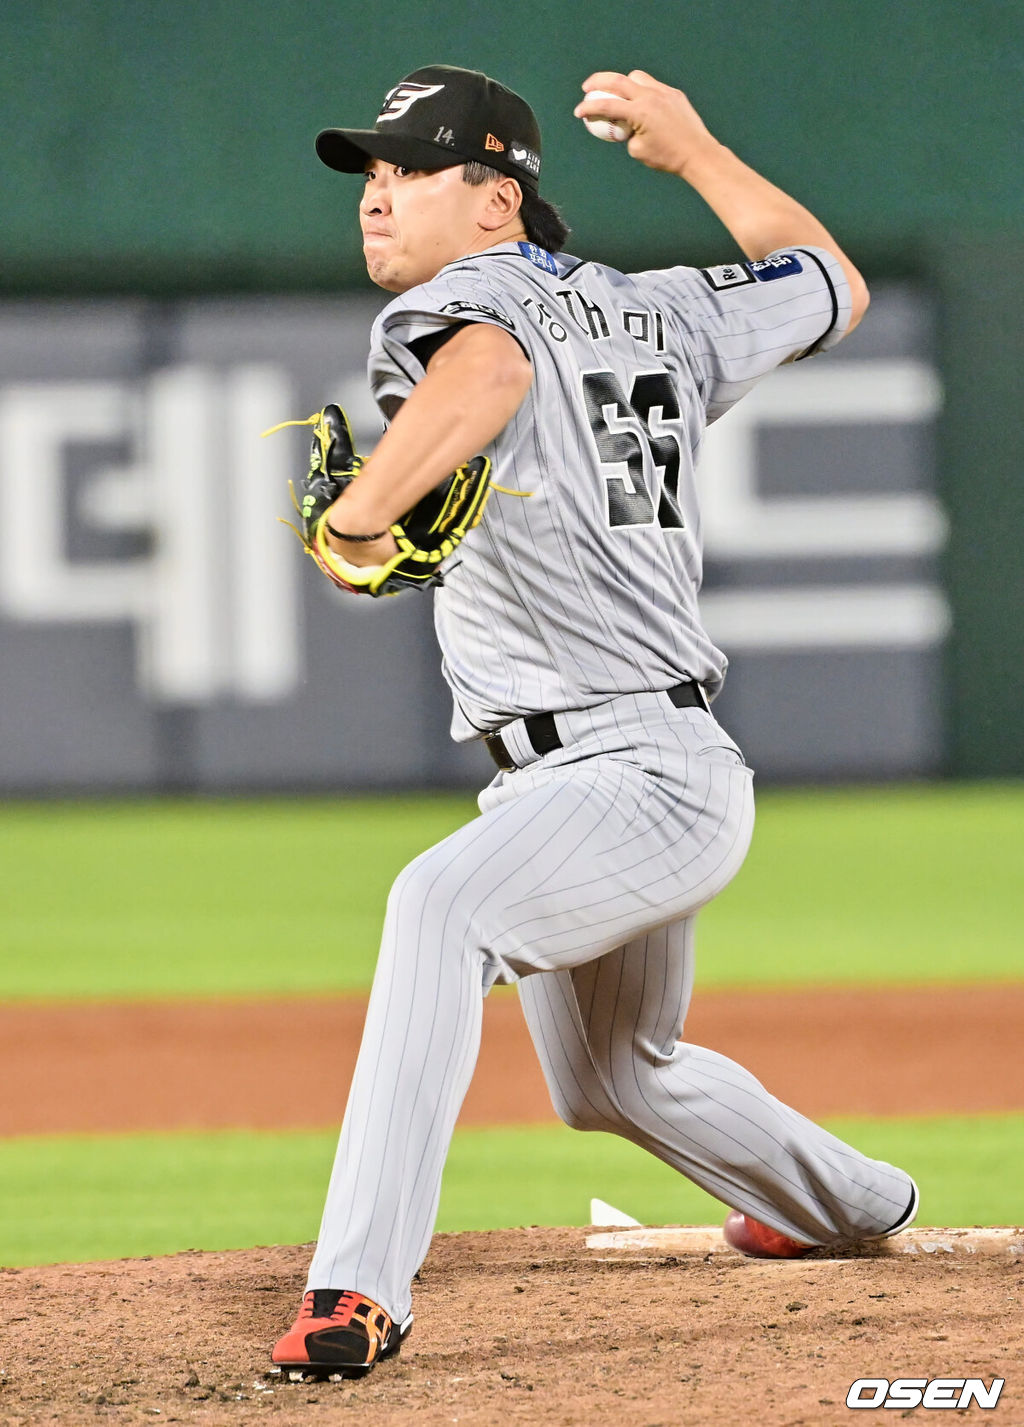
[544,225]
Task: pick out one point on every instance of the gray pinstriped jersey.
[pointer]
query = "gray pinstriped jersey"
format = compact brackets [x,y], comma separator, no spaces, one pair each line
[588,588]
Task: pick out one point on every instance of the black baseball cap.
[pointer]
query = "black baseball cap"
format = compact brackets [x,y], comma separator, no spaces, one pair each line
[441,116]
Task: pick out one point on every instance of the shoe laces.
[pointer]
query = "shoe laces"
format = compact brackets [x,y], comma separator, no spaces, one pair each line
[337,1305]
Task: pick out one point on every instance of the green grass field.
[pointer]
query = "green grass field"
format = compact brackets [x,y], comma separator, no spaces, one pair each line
[77,1198]
[197,899]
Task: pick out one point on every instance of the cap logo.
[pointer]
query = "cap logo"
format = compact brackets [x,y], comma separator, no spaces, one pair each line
[529,158]
[399,100]
[495,144]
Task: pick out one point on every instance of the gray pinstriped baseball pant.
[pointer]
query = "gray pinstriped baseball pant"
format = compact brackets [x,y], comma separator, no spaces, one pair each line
[588,866]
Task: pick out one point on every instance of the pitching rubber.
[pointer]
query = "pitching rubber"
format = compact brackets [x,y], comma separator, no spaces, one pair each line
[701,1240]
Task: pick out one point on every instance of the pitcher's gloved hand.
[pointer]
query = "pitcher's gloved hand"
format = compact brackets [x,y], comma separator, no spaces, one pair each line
[426,535]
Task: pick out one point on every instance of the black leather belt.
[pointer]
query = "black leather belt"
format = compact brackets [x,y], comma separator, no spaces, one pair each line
[543,735]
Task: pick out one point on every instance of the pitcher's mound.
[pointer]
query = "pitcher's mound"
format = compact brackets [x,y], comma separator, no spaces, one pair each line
[527,1326]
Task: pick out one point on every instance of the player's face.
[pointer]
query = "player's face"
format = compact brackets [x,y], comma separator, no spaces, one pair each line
[415,221]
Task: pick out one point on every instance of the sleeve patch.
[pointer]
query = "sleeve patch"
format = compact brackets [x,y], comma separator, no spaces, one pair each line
[457,309]
[740,274]
[727,275]
[781,265]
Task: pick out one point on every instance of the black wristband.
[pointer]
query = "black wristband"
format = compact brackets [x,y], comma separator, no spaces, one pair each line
[353,539]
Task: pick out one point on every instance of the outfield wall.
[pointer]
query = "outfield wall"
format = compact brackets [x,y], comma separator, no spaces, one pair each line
[171,144]
[156,154]
[159,629]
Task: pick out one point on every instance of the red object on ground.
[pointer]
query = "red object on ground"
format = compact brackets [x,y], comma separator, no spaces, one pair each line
[749,1236]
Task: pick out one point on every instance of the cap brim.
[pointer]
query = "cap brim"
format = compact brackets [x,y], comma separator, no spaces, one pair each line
[348,149]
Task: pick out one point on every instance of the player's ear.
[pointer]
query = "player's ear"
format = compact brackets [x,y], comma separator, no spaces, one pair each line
[502,205]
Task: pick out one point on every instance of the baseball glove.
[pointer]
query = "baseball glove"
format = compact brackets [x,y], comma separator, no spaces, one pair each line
[426,535]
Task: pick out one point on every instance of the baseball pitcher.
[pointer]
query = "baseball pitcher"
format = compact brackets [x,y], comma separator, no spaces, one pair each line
[545,414]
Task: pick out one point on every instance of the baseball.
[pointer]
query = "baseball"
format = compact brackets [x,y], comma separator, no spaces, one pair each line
[607,129]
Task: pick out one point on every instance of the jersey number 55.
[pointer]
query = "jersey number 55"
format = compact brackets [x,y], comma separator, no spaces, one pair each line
[629,501]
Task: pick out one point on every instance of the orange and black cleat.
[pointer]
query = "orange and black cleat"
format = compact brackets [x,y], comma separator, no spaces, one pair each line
[339,1332]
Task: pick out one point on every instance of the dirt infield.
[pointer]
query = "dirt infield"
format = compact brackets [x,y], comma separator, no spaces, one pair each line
[522,1326]
[525,1327]
[219,1064]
